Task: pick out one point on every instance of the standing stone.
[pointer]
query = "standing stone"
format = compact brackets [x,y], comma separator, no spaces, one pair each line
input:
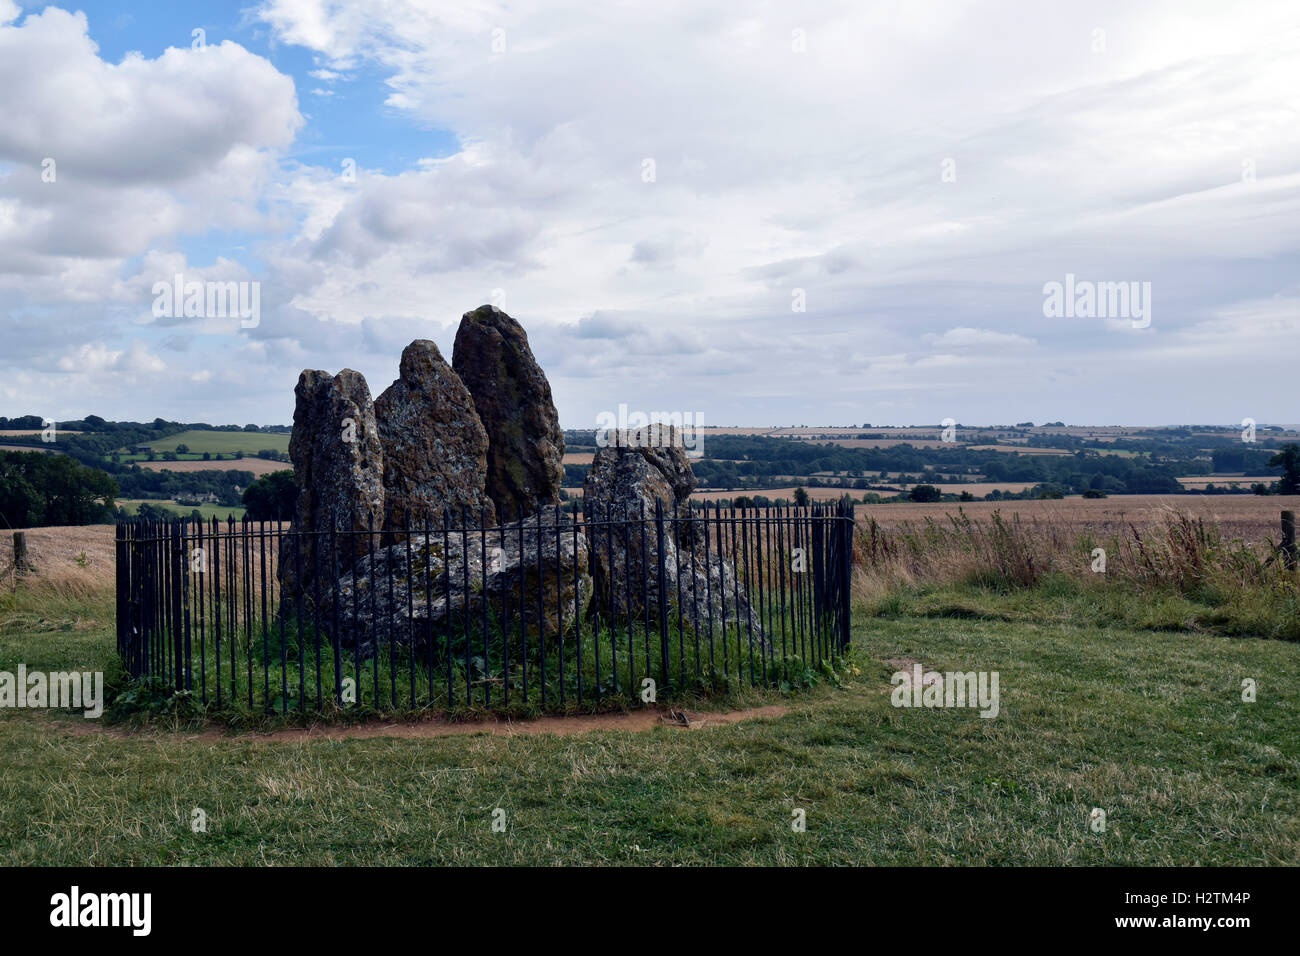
[534,582]
[525,469]
[627,478]
[337,466]
[638,467]
[434,446]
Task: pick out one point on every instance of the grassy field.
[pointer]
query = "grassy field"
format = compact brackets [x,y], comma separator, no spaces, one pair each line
[226,443]
[1143,719]
[209,511]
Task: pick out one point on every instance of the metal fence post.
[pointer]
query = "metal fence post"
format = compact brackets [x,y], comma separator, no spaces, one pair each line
[663,592]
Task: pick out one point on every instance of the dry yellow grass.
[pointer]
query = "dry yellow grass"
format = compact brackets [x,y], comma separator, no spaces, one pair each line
[1251,518]
[75,561]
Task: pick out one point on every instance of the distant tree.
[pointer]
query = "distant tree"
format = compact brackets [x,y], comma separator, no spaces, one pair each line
[272,497]
[207,456]
[252,428]
[966,496]
[155,512]
[800,496]
[40,490]
[183,449]
[1289,460]
[1094,493]
[925,493]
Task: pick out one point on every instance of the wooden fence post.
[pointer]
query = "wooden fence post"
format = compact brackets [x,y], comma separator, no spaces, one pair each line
[20,553]
[1288,540]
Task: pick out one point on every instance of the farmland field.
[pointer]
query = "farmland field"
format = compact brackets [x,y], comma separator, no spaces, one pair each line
[1022,450]
[816,494]
[29,432]
[226,443]
[1245,481]
[1251,518]
[881,442]
[258,466]
[209,511]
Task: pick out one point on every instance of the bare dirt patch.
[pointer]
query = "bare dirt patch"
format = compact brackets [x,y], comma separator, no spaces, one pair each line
[638,720]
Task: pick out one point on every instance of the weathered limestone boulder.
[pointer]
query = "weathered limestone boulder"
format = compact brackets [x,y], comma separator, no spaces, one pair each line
[441,581]
[336,462]
[525,471]
[433,444]
[639,466]
[627,478]
[625,482]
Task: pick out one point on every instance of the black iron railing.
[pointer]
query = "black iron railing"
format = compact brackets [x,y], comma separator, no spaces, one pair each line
[560,609]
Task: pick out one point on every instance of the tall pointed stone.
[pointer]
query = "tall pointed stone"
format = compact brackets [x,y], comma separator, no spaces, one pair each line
[434,446]
[525,470]
[337,467]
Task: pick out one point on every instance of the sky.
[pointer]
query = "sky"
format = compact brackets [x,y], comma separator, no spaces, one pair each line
[824,213]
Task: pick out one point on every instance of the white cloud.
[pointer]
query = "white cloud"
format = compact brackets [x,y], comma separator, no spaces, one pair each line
[774,170]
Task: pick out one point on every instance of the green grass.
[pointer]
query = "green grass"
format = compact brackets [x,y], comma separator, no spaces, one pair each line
[209,511]
[1147,724]
[227,443]
[1259,611]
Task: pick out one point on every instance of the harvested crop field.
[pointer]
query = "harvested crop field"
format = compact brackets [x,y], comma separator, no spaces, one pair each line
[1251,518]
[1200,481]
[876,442]
[28,432]
[1019,449]
[258,466]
